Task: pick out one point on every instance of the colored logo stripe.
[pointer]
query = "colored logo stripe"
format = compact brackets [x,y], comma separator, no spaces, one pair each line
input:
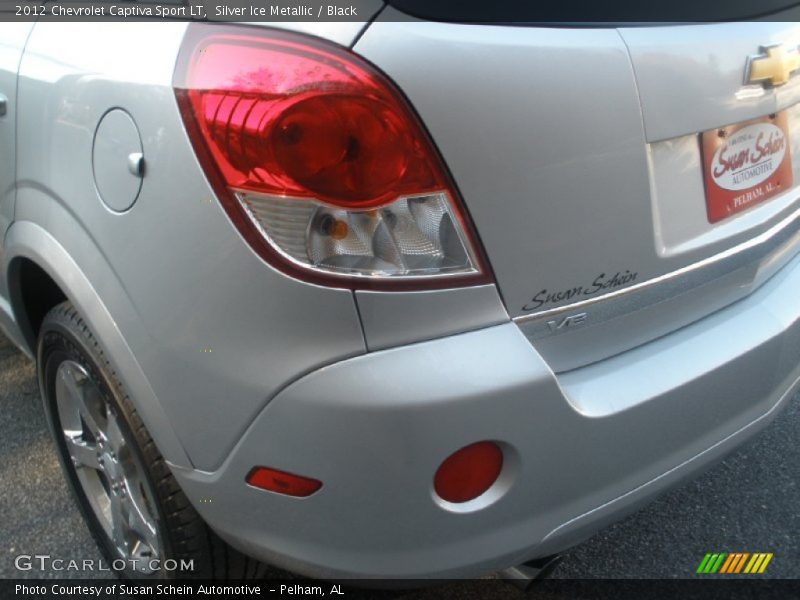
[758,563]
[734,562]
[731,561]
[711,563]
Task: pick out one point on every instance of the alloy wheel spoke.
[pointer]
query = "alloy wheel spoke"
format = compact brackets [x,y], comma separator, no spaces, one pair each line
[88,410]
[140,521]
[72,380]
[82,453]
[120,530]
[113,432]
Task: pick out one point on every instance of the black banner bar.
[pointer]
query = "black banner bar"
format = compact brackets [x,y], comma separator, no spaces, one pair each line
[722,588]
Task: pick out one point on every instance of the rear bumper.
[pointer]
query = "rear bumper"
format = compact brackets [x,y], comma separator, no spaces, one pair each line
[584,447]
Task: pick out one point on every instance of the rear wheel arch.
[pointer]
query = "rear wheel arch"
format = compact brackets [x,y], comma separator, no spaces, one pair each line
[33,294]
[32,252]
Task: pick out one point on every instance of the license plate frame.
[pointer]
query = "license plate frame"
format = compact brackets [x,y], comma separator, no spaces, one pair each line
[746,164]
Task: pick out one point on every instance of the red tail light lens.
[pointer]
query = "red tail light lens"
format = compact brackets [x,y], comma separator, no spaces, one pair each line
[469,472]
[295,119]
[300,139]
[282,483]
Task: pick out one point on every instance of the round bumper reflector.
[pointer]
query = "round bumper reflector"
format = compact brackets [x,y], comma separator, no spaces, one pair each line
[469,472]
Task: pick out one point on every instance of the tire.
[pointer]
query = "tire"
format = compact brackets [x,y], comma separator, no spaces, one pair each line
[132,504]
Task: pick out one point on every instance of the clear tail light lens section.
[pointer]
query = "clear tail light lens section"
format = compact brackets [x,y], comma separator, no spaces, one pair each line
[320,162]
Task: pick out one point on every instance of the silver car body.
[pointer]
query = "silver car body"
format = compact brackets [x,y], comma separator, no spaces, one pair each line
[576,153]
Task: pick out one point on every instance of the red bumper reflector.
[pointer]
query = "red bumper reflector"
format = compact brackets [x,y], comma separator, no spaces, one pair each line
[469,472]
[282,483]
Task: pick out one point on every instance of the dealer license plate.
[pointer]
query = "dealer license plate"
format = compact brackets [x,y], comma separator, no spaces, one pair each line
[745,164]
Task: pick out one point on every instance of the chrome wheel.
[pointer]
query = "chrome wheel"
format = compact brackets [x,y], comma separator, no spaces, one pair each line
[109,471]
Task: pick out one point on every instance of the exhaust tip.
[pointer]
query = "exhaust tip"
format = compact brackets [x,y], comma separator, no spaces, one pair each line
[525,575]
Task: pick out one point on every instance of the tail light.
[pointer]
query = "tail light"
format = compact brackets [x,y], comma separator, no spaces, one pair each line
[320,162]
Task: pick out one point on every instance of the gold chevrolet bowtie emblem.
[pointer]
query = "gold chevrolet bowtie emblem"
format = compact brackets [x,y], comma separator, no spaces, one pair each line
[774,66]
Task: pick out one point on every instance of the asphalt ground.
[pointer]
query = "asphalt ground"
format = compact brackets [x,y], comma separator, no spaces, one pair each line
[750,502]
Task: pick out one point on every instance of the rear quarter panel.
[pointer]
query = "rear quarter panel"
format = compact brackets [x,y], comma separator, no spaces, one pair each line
[217,331]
